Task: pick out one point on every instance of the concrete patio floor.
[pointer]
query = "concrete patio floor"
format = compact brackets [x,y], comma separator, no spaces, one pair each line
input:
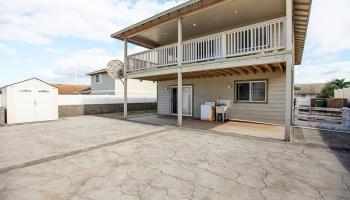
[92,157]
[231,127]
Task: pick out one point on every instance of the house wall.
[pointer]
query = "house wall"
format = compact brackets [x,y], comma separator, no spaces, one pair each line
[212,89]
[107,86]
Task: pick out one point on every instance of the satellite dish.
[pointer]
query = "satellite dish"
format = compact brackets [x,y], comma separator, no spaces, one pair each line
[115,69]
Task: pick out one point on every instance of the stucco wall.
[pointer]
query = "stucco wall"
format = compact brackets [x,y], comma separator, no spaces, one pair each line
[212,89]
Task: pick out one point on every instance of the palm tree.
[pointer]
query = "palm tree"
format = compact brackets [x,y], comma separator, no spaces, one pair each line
[339,84]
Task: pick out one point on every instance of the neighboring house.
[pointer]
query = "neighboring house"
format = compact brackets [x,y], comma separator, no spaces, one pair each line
[305,92]
[103,84]
[243,51]
[71,89]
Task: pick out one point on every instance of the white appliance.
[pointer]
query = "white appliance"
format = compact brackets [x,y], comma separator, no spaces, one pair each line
[208,111]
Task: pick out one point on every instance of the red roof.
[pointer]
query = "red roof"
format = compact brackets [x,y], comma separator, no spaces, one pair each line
[70,88]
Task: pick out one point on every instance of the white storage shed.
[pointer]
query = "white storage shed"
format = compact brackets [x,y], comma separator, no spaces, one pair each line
[30,101]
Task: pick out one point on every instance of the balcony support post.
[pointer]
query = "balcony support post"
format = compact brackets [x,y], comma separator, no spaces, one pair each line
[179,42]
[179,97]
[125,78]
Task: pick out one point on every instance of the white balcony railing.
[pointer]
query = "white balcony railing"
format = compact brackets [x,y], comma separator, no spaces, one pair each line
[256,38]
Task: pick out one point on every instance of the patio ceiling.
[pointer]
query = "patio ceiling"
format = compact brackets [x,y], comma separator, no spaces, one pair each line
[234,71]
[224,15]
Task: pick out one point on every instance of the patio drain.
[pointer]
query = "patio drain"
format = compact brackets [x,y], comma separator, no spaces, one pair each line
[72,153]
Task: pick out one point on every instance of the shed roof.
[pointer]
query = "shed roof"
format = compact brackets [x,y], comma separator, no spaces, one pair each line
[34,78]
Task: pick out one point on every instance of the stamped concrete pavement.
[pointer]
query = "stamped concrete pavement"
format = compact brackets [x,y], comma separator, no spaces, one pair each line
[176,163]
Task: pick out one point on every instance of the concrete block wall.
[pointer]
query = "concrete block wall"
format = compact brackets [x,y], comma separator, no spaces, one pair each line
[76,110]
[2,116]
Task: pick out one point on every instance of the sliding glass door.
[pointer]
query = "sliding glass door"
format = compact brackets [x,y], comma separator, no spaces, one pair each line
[187,100]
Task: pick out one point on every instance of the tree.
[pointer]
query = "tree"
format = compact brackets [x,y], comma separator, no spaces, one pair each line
[340,83]
[328,90]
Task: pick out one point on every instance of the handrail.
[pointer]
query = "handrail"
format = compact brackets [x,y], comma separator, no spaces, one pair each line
[260,37]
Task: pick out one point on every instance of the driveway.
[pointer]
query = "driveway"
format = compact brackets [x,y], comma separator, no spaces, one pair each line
[98,158]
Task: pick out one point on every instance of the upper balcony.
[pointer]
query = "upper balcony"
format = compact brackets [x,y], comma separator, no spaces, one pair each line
[198,32]
[257,38]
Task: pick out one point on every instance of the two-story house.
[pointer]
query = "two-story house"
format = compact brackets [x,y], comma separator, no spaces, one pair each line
[243,51]
[103,84]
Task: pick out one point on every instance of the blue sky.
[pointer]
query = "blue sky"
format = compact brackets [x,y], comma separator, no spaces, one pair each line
[57,40]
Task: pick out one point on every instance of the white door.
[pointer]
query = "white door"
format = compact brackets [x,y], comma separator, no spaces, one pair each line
[187,100]
[20,105]
[45,105]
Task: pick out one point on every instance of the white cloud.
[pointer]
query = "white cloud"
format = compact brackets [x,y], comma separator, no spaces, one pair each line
[37,21]
[7,49]
[329,27]
[79,63]
[321,73]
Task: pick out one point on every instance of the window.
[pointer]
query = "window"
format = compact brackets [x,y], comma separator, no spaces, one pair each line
[251,91]
[98,78]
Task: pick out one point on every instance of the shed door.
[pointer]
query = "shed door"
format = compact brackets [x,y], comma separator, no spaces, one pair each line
[45,108]
[21,105]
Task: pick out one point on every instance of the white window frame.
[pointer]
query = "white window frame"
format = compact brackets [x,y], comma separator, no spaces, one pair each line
[250,91]
[100,75]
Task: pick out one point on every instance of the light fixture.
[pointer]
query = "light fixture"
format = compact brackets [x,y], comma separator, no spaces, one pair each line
[229,86]
[236,12]
[165,33]
[194,25]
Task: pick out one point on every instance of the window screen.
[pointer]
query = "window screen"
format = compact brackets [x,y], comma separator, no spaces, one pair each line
[251,91]
[243,91]
[259,91]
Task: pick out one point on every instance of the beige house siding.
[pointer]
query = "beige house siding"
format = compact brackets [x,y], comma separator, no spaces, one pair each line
[211,89]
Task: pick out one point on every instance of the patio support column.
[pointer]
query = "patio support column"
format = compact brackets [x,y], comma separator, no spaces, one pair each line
[125,78]
[179,73]
[289,135]
[179,97]
[289,45]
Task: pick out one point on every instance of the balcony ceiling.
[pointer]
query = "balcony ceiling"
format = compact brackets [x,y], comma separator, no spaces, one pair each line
[219,17]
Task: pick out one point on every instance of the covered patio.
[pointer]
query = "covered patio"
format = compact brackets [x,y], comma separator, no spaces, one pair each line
[231,127]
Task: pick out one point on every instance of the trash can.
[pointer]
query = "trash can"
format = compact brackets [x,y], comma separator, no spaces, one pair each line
[320,103]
